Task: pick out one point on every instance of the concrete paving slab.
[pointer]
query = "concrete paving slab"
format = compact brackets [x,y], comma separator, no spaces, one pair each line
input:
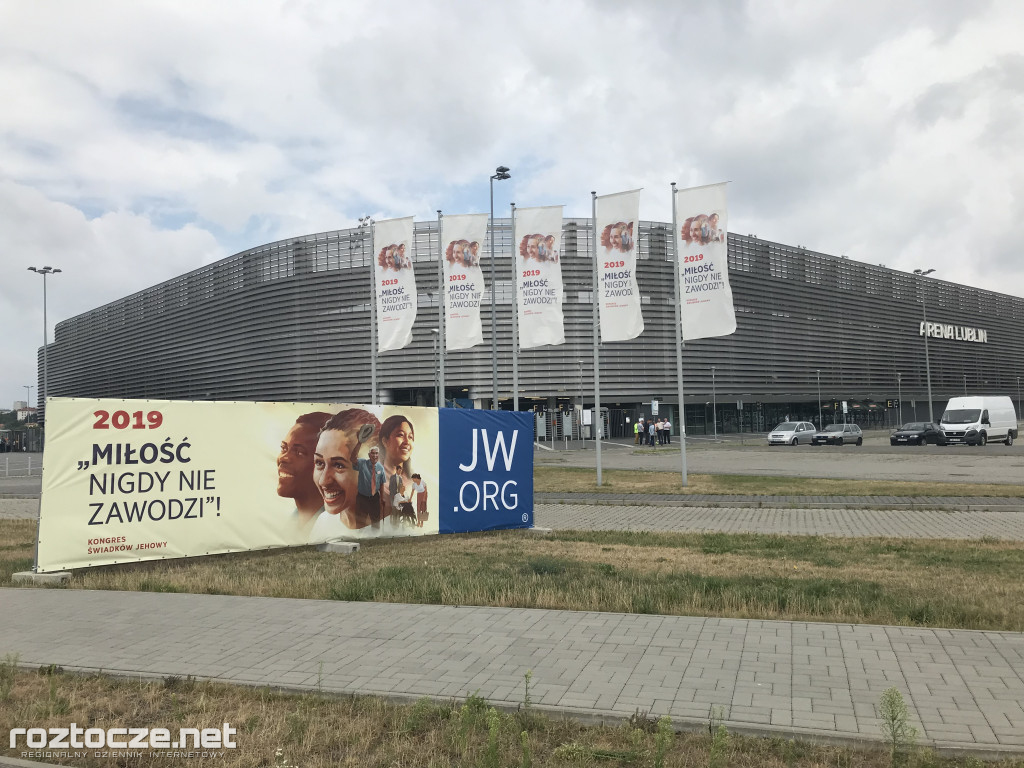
[255,640]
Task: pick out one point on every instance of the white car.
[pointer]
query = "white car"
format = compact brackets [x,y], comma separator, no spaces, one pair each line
[791,433]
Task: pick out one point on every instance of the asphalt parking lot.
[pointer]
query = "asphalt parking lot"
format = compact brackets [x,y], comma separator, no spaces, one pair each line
[874,460]
[731,455]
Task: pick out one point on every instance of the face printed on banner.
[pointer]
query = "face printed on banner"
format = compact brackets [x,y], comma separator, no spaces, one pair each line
[334,469]
[399,443]
[295,463]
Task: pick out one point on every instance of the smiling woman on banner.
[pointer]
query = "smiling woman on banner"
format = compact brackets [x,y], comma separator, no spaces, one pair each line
[336,472]
[397,437]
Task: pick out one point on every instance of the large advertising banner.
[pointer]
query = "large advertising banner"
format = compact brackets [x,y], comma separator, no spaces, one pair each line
[706,306]
[486,470]
[539,276]
[130,480]
[394,283]
[463,241]
[617,222]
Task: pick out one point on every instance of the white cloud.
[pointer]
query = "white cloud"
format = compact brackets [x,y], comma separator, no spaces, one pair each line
[144,139]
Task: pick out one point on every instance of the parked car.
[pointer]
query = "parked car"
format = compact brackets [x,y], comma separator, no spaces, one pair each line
[918,433]
[977,420]
[791,433]
[838,434]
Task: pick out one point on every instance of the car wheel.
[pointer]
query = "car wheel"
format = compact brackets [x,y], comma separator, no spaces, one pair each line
[860,441]
[794,441]
[839,441]
[922,441]
[1009,438]
[983,440]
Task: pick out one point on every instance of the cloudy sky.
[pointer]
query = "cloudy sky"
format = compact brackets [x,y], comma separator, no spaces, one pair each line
[140,139]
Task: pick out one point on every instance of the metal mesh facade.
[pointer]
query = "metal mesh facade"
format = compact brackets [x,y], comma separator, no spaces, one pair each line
[290,321]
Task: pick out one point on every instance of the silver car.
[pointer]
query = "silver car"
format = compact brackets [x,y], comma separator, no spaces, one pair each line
[839,434]
[791,433]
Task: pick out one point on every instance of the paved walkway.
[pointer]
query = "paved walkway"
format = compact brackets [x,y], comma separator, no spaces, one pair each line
[965,689]
[895,523]
[992,523]
[819,502]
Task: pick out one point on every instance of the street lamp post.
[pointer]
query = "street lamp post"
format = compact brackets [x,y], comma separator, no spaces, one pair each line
[583,436]
[927,361]
[500,174]
[366,223]
[714,404]
[899,396]
[435,334]
[44,271]
[28,392]
[821,424]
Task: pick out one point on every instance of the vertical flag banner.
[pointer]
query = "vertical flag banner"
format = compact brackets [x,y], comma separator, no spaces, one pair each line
[394,283]
[702,246]
[617,221]
[462,245]
[539,276]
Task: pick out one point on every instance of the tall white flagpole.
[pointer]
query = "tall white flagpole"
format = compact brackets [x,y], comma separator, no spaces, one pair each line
[515,317]
[442,311]
[373,319]
[597,331]
[679,338]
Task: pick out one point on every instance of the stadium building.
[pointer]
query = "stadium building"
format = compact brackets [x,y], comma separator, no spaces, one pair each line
[290,321]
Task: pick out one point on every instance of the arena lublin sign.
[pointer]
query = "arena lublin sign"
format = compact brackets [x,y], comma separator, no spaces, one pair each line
[958,332]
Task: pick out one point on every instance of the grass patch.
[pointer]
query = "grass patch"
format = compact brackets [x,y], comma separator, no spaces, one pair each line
[316,731]
[951,584]
[583,480]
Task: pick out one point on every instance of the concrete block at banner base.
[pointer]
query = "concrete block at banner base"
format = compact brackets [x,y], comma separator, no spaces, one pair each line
[56,578]
[340,547]
[540,531]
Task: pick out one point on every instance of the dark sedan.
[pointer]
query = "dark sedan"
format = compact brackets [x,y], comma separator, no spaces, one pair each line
[918,433]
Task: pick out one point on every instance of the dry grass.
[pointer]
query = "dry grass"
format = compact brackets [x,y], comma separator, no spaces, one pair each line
[583,480]
[951,584]
[317,731]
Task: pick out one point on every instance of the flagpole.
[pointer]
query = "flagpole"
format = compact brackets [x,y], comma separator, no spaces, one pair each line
[679,338]
[442,313]
[597,330]
[515,318]
[373,318]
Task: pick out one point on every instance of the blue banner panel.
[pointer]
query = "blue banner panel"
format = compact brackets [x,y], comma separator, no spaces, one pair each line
[486,470]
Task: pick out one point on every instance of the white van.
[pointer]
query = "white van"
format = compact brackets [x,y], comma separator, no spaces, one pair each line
[978,419]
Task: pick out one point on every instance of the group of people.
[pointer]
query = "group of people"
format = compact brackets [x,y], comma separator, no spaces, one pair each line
[538,248]
[338,491]
[8,445]
[393,257]
[702,229]
[618,237]
[650,431]
[463,253]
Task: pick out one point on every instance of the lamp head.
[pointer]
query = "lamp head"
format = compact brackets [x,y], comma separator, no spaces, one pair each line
[923,272]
